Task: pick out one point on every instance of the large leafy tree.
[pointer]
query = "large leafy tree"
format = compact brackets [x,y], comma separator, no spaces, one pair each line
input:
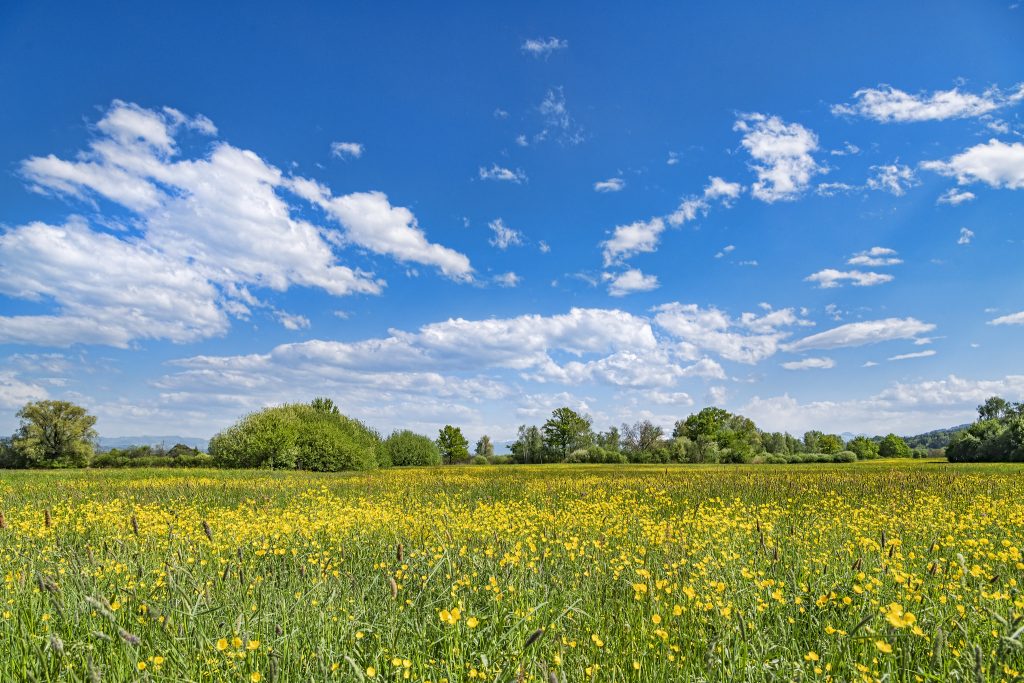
[893,446]
[830,443]
[529,446]
[484,446]
[452,444]
[716,434]
[55,434]
[566,431]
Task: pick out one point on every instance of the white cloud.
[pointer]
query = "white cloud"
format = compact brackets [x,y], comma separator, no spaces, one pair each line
[832,189]
[1012,319]
[610,185]
[496,172]
[673,158]
[995,163]
[955,197]
[716,189]
[892,178]
[555,112]
[782,155]
[543,47]
[721,189]
[725,250]
[504,236]
[350,150]
[105,290]
[632,239]
[830,277]
[966,235]
[810,364]
[629,282]
[508,279]
[863,333]
[292,321]
[890,105]
[900,408]
[544,247]
[212,226]
[916,354]
[372,222]
[748,339]
[14,392]
[875,257]
[500,113]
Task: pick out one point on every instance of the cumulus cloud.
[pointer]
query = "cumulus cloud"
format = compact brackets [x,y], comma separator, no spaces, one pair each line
[995,163]
[955,197]
[892,178]
[966,235]
[782,156]
[347,150]
[543,47]
[900,408]
[630,240]
[716,189]
[810,364]
[629,282]
[204,231]
[875,257]
[863,333]
[830,277]
[887,104]
[749,339]
[1012,319]
[496,172]
[610,185]
[508,279]
[504,236]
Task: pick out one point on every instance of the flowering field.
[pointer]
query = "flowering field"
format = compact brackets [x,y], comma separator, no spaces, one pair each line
[899,572]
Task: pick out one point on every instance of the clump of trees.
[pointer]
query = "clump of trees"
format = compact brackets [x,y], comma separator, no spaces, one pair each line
[306,436]
[51,434]
[404,448]
[996,436]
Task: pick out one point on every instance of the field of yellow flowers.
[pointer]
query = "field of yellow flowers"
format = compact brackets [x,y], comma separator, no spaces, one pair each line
[896,572]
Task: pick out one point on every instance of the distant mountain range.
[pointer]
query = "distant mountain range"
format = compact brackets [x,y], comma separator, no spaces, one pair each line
[108,442]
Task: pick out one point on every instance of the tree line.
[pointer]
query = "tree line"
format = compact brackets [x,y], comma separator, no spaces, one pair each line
[317,436]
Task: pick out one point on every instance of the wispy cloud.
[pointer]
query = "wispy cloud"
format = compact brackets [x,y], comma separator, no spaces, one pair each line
[887,104]
[543,47]
[347,150]
[496,172]
[610,185]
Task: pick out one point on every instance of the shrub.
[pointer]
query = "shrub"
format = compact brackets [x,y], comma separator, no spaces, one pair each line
[845,456]
[501,460]
[406,448]
[107,460]
[299,436]
[478,460]
[775,459]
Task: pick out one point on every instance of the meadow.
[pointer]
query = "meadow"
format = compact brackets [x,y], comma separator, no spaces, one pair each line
[894,570]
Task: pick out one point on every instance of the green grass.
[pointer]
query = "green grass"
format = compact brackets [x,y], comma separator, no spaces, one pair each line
[605,573]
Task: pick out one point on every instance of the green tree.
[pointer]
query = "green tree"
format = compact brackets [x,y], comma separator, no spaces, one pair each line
[529,446]
[484,447]
[811,439]
[406,448]
[453,445]
[830,443]
[324,405]
[298,436]
[893,446]
[610,440]
[566,431]
[55,434]
[863,447]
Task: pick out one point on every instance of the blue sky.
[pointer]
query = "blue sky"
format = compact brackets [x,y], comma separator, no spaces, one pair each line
[474,214]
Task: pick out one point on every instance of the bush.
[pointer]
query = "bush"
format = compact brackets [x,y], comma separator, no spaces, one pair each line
[478,460]
[297,436]
[775,459]
[845,456]
[406,448]
[501,460]
[107,460]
